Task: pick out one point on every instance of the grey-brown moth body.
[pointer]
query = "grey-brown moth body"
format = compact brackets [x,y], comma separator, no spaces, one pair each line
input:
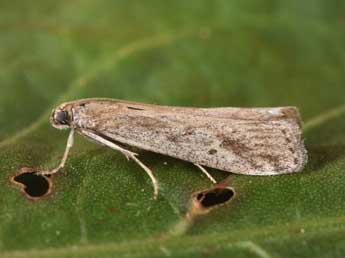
[251,141]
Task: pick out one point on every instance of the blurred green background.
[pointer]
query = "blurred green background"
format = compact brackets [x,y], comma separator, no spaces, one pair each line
[187,53]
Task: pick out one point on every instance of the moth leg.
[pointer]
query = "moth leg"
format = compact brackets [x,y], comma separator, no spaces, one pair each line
[149,172]
[69,145]
[100,140]
[206,173]
[128,154]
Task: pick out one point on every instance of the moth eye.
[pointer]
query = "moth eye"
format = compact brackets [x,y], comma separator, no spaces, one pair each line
[61,117]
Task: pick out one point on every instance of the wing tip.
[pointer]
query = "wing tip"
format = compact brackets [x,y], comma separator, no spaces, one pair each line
[292,113]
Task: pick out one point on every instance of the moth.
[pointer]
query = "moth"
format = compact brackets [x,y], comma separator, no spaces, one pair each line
[250,141]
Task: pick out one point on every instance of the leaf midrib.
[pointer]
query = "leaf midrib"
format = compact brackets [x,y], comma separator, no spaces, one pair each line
[184,243]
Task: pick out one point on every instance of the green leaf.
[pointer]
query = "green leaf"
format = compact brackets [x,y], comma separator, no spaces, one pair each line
[187,53]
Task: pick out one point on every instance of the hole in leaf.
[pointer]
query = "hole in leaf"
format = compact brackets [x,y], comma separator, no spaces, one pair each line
[215,196]
[199,196]
[204,201]
[34,186]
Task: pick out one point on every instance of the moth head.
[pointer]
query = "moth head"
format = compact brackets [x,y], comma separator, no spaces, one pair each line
[61,117]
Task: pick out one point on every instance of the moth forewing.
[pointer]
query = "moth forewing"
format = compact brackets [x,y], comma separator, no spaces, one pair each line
[252,141]
[260,141]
